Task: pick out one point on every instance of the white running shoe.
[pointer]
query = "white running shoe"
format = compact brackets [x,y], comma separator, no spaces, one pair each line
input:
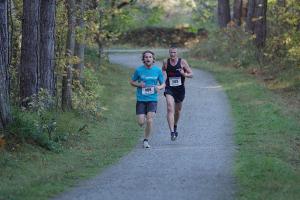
[146,144]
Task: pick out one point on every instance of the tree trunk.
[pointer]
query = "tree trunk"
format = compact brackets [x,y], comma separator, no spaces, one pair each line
[29,51]
[260,23]
[80,43]
[47,44]
[237,11]
[5,112]
[223,13]
[67,77]
[250,16]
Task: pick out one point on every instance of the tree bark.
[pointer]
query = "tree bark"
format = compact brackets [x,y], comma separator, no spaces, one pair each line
[5,112]
[237,11]
[260,23]
[80,43]
[30,50]
[67,77]
[256,21]
[47,44]
[223,13]
[250,16]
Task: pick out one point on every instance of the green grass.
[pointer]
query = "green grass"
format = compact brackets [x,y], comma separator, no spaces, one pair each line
[31,172]
[267,138]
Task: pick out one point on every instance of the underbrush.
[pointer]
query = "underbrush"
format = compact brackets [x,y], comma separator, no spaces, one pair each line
[276,65]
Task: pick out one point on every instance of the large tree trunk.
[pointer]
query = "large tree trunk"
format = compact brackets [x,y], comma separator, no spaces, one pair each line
[67,77]
[223,13]
[250,16]
[29,50]
[5,112]
[237,11]
[260,23]
[80,42]
[47,44]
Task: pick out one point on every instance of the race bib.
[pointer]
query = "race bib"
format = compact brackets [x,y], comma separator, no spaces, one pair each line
[148,90]
[175,81]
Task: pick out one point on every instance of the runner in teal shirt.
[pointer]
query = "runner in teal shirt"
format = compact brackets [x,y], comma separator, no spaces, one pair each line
[150,77]
[148,80]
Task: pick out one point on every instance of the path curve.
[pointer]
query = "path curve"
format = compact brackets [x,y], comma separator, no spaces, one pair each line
[197,166]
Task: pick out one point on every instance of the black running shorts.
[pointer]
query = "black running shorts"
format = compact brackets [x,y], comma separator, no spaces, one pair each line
[143,107]
[178,93]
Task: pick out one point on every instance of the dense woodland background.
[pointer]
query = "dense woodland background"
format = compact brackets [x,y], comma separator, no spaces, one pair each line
[44,42]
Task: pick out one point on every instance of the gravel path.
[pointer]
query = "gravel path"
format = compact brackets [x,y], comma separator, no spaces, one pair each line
[197,166]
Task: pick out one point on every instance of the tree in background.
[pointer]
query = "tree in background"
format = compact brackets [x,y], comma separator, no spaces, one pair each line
[66,97]
[237,11]
[47,44]
[223,13]
[5,112]
[260,23]
[30,51]
[257,20]
[80,40]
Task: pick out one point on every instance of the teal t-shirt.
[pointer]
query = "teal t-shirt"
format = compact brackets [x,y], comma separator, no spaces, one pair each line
[151,77]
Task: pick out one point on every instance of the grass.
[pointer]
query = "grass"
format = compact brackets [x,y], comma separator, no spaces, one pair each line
[267,138]
[31,172]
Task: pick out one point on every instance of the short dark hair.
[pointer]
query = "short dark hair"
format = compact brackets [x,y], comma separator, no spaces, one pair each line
[148,51]
[173,46]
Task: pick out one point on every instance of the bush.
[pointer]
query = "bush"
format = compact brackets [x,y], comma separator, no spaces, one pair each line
[37,123]
[86,96]
[230,45]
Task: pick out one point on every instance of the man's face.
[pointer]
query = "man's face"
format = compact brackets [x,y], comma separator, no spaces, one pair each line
[148,59]
[173,53]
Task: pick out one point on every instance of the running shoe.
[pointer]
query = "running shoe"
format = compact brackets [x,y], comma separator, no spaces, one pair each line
[176,134]
[173,137]
[175,130]
[146,144]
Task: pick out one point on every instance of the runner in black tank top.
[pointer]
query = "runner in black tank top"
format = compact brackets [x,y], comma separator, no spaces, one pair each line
[175,81]
[176,69]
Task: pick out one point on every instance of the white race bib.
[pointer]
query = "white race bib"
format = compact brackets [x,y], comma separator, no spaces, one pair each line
[148,90]
[175,81]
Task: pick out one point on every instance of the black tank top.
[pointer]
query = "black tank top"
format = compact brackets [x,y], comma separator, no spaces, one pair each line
[173,71]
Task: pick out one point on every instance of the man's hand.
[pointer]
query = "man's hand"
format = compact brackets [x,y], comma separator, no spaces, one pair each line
[160,87]
[182,72]
[142,84]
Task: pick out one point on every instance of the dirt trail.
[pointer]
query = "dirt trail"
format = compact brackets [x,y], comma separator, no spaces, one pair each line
[197,166]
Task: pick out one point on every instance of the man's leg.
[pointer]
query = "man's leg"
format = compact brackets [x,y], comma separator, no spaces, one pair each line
[141,119]
[170,111]
[178,107]
[149,119]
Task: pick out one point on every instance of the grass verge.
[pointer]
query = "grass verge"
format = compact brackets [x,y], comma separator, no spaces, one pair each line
[30,172]
[267,137]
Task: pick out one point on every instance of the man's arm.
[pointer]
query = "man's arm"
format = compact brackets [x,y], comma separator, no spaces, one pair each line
[134,80]
[137,84]
[187,71]
[161,81]
[164,68]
